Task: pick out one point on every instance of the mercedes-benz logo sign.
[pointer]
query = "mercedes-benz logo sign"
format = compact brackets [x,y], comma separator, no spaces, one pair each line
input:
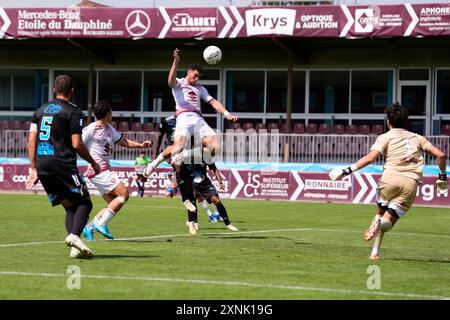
[137,23]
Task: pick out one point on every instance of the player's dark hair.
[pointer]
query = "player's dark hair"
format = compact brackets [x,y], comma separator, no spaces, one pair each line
[195,66]
[63,85]
[397,115]
[101,109]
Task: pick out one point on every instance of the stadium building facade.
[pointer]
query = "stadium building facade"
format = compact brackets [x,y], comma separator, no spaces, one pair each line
[327,71]
[339,79]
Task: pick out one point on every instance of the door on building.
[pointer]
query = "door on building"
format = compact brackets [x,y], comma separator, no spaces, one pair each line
[414,92]
[416,97]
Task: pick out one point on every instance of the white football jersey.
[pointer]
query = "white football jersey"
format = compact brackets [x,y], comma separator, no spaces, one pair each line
[187,97]
[100,141]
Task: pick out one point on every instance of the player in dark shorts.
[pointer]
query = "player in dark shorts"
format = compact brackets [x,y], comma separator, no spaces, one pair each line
[194,181]
[53,144]
[185,176]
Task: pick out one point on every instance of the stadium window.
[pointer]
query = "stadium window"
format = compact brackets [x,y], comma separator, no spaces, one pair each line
[157,94]
[414,74]
[245,91]
[80,80]
[277,91]
[208,74]
[371,90]
[211,74]
[443,92]
[211,121]
[29,89]
[328,91]
[5,91]
[416,125]
[414,98]
[122,89]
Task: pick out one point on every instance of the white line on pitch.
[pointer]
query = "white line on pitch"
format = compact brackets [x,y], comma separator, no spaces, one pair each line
[6,245]
[228,283]
[159,236]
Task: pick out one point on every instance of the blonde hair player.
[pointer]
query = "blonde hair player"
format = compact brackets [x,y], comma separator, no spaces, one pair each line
[403,151]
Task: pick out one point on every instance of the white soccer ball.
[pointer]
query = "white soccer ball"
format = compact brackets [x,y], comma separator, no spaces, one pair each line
[134,194]
[212,55]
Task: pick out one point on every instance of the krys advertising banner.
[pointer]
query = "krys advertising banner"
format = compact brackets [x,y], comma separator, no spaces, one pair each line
[255,184]
[344,21]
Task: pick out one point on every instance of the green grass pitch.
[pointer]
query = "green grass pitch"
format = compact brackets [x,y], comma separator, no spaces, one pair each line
[284,250]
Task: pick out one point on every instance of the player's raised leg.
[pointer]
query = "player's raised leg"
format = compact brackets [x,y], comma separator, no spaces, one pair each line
[165,155]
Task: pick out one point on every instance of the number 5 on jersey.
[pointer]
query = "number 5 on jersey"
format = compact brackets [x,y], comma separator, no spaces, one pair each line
[45,128]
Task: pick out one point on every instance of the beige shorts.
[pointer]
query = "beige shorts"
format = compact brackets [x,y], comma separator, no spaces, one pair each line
[396,192]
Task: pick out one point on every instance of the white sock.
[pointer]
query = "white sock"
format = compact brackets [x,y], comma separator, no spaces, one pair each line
[106,217]
[377,242]
[91,225]
[374,251]
[204,205]
[216,212]
[158,160]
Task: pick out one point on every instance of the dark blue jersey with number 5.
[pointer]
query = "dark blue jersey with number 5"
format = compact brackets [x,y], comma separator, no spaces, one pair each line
[56,121]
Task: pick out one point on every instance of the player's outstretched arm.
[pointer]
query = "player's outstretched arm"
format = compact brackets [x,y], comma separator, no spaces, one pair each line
[172,80]
[441,182]
[221,109]
[219,179]
[361,163]
[32,141]
[127,143]
[80,148]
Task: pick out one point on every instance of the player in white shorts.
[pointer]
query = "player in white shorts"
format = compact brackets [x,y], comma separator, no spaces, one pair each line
[99,137]
[188,95]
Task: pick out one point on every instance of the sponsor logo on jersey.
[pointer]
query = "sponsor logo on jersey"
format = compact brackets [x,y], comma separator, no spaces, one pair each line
[45,149]
[52,109]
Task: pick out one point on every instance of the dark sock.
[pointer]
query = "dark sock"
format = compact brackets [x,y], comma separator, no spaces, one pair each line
[141,188]
[179,178]
[81,216]
[196,216]
[192,216]
[223,213]
[70,214]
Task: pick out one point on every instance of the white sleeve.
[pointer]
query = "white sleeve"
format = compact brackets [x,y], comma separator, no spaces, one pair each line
[204,94]
[116,135]
[87,133]
[177,82]
[33,127]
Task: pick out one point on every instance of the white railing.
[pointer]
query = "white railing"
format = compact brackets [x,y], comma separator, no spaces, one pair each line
[250,146]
